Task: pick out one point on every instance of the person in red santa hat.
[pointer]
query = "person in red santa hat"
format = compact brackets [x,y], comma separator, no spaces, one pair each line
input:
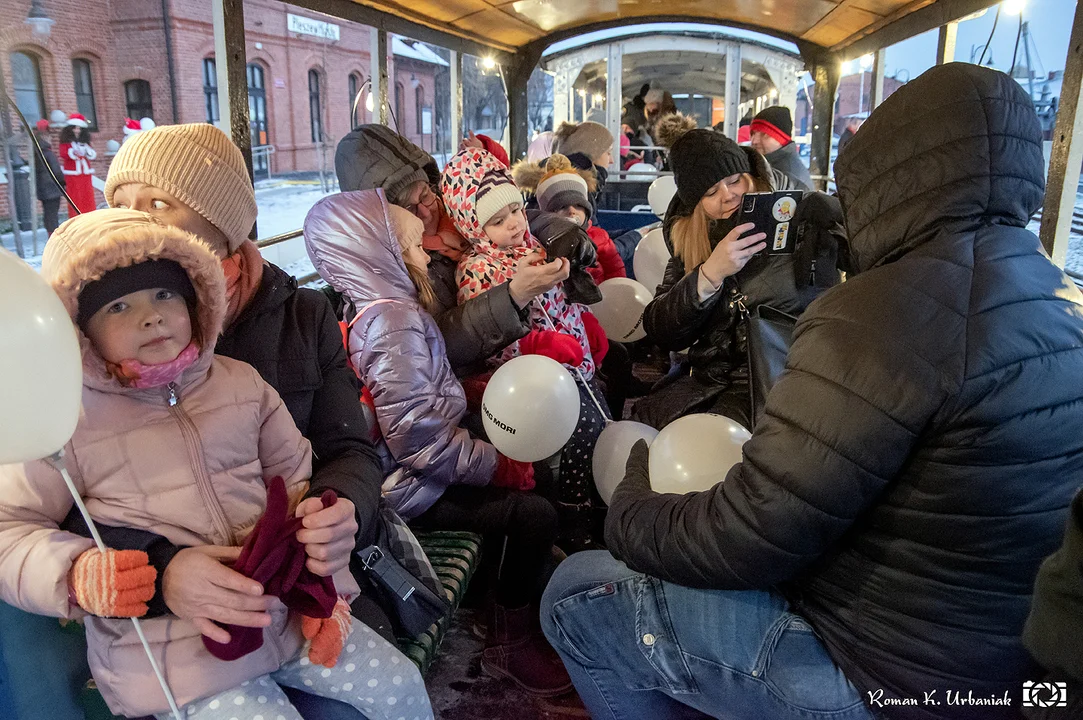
[76,154]
[131,127]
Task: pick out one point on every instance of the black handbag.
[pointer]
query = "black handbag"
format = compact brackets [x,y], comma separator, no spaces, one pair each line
[770,334]
[402,575]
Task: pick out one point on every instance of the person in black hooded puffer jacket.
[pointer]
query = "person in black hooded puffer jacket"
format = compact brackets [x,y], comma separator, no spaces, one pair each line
[916,462]
[697,305]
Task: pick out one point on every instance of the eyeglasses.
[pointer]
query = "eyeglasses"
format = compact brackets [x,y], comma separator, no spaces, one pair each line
[426,198]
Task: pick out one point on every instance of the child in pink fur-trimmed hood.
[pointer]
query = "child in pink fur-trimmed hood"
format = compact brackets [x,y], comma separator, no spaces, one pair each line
[487,208]
[180,442]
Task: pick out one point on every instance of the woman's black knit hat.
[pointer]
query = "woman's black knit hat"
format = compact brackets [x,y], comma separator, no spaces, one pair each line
[702,158]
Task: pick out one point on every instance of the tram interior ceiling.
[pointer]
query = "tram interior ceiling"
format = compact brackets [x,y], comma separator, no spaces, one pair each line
[514,34]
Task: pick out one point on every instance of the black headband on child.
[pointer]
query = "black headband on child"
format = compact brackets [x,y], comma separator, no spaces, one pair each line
[122,281]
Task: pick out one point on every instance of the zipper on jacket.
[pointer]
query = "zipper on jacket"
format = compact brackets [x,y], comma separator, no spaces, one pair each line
[196,458]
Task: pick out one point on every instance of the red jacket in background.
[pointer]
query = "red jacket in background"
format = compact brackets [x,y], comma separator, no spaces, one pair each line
[609,263]
[495,149]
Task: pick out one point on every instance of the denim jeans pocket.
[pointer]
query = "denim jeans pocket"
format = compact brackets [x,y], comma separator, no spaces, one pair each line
[796,667]
[624,627]
[657,640]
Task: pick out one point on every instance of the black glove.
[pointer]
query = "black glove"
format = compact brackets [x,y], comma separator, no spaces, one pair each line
[636,484]
[562,238]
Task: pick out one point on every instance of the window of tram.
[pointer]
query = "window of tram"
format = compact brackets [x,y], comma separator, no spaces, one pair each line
[485,101]
[315,108]
[84,91]
[354,84]
[138,99]
[210,90]
[26,76]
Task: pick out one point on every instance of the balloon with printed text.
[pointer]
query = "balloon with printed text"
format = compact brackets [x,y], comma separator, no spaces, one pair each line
[530,408]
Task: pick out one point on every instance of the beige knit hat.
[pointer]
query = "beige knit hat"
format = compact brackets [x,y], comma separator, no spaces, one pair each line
[589,138]
[199,165]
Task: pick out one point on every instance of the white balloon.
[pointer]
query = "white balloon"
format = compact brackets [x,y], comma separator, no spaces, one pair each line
[650,260]
[642,168]
[530,408]
[660,193]
[41,369]
[620,311]
[611,453]
[695,452]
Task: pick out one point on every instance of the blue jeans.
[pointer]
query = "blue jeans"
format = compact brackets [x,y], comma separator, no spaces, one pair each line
[639,647]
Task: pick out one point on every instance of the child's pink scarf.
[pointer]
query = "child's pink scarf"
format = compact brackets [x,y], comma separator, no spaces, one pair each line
[134,374]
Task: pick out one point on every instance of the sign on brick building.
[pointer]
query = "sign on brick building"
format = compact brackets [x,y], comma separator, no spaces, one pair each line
[308,26]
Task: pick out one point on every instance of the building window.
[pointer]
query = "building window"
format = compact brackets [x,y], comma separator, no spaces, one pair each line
[400,107]
[137,97]
[314,114]
[355,110]
[419,104]
[29,96]
[210,90]
[84,91]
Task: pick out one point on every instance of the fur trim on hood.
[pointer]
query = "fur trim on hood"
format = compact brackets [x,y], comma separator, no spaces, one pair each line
[670,128]
[528,175]
[88,246]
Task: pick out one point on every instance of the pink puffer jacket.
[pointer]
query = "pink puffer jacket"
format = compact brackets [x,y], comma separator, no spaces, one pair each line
[192,471]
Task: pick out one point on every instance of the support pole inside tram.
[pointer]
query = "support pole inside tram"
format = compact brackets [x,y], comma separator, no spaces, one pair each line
[1067,153]
[825,73]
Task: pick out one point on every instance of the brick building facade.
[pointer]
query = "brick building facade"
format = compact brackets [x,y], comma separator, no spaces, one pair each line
[302,83]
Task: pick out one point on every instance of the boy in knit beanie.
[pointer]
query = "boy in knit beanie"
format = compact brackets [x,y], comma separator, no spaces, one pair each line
[566,192]
[487,209]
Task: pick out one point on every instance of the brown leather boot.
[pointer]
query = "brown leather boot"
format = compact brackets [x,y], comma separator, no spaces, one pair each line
[517,650]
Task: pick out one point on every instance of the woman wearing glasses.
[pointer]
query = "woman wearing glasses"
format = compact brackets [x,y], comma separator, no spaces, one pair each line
[376,157]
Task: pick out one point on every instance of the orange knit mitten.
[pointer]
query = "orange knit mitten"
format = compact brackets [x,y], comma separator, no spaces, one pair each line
[328,635]
[116,583]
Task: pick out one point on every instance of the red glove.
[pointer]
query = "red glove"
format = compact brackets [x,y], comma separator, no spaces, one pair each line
[328,635]
[513,474]
[552,344]
[599,343]
[474,388]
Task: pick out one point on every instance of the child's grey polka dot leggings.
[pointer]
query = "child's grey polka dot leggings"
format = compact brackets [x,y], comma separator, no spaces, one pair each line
[371,675]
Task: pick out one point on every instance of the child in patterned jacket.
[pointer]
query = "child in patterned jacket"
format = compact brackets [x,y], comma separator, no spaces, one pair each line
[487,209]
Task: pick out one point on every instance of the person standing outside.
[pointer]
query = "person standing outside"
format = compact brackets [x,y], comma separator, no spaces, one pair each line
[48,177]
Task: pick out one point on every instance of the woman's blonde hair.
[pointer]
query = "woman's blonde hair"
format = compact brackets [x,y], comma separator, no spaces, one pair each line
[426,295]
[691,235]
[408,231]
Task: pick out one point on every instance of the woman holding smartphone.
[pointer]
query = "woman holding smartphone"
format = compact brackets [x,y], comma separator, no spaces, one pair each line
[714,265]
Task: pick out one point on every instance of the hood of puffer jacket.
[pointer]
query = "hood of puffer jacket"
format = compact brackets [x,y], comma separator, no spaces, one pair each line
[88,246]
[908,176]
[352,244]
